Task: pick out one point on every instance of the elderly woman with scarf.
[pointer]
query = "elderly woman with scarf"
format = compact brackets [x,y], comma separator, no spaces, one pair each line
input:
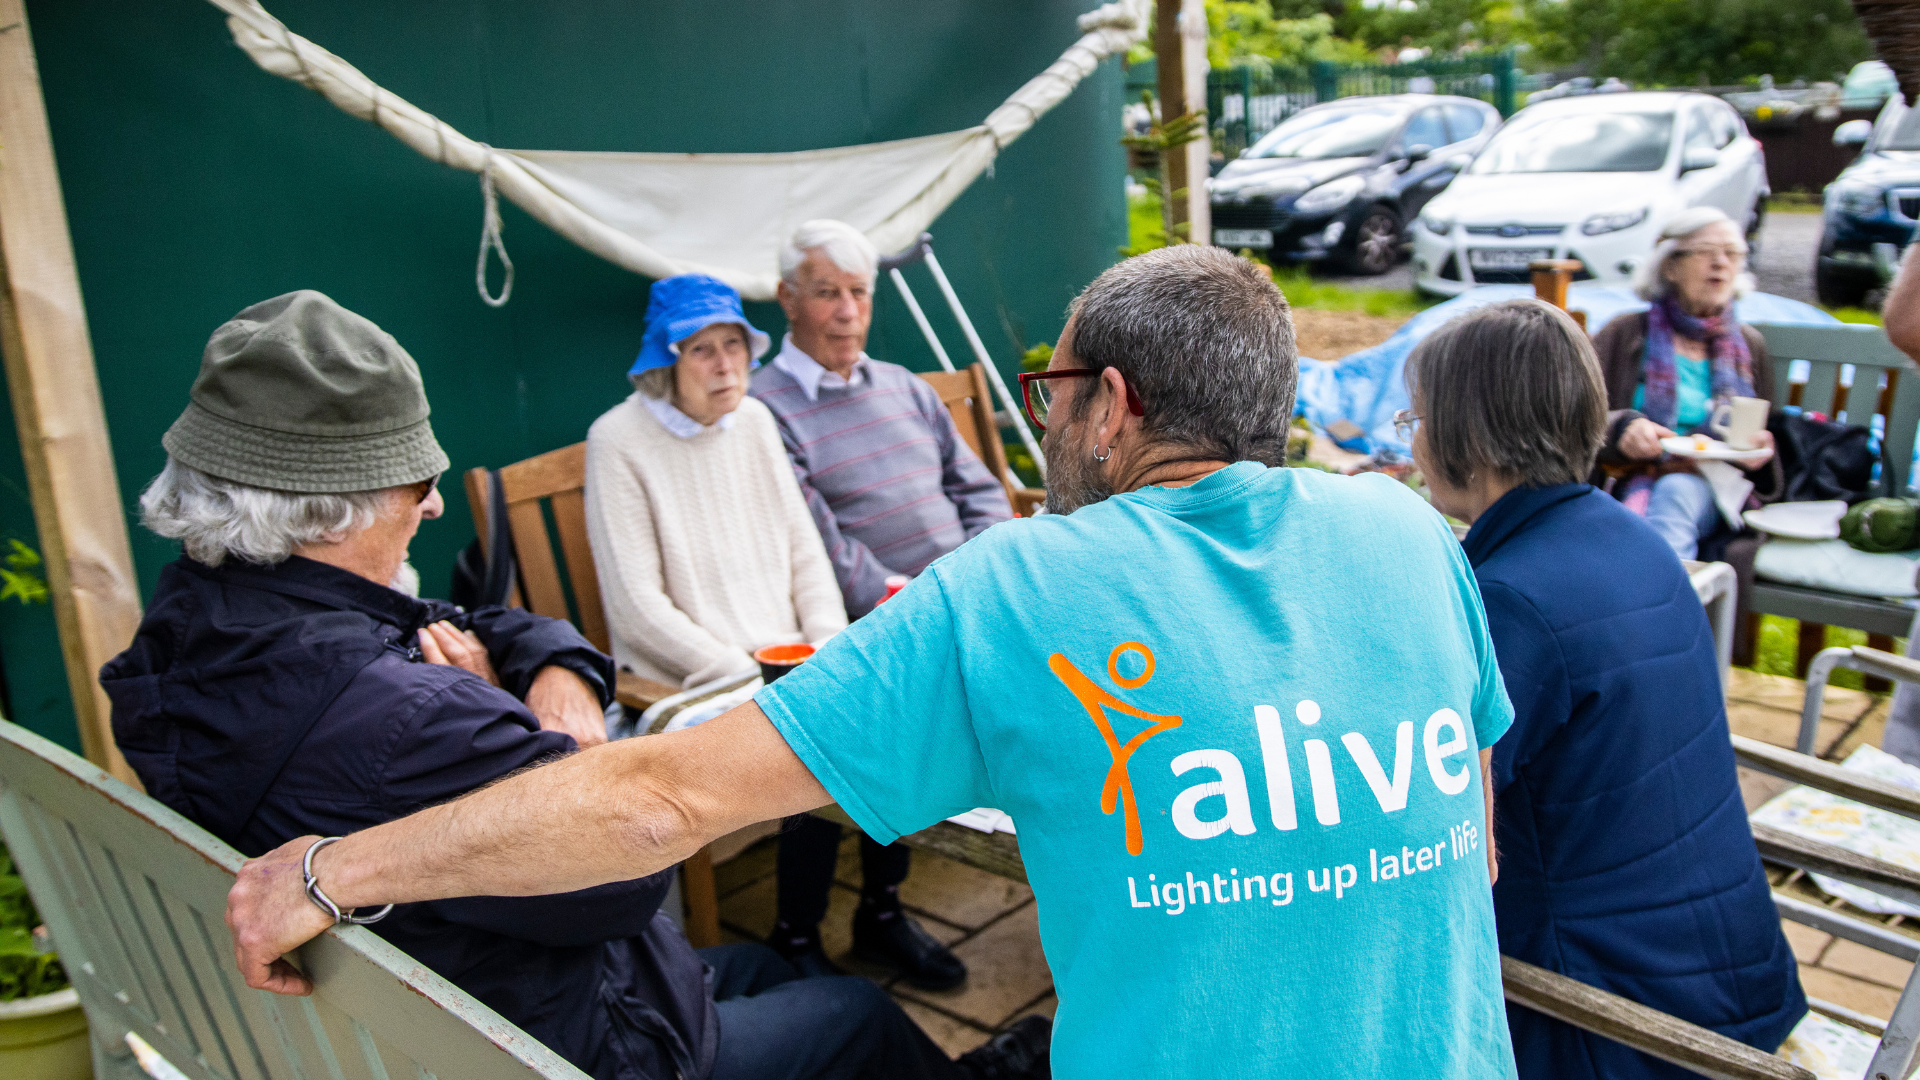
[1667,368]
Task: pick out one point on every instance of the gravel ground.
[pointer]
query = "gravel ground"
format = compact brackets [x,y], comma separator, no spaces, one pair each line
[1783,265]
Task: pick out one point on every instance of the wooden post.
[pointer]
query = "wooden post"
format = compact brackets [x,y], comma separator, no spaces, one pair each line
[1180,48]
[56,400]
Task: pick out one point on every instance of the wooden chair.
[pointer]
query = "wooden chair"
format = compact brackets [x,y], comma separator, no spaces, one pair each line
[1877,389]
[966,396]
[568,588]
[135,896]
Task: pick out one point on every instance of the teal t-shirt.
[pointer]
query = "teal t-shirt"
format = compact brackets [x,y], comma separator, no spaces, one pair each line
[1693,394]
[1238,726]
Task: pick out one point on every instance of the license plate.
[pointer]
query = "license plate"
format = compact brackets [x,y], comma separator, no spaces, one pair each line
[1505,258]
[1238,238]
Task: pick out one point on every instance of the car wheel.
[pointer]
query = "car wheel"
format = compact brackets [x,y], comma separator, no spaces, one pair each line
[1756,220]
[1836,290]
[1375,248]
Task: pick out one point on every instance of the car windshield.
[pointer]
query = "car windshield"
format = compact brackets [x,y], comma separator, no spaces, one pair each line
[1560,142]
[1331,133]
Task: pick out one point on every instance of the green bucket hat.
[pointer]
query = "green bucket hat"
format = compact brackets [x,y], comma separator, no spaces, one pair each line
[299,394]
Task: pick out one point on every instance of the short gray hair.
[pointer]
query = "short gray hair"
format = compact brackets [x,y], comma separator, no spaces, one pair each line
[1650,277]
[214,518]
[1514,389]
[656,383]
[1206,339]
[845,246]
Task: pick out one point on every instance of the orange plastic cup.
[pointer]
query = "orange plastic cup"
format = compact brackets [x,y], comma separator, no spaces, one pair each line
[777,660]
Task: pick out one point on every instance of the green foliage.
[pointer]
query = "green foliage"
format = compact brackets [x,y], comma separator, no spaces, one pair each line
[1246,33]
[1163,136]
[1647,42]
[1682,42]
[20,575]
[1037,358]
[1863,316]
[1302,291]
[25,971]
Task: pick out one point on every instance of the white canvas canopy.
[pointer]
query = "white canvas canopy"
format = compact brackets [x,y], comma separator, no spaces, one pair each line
[719,214]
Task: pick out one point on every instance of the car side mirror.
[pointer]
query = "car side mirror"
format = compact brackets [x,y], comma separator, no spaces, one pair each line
[1853,133]
[1459,162]
[1418,152]
[1698,157]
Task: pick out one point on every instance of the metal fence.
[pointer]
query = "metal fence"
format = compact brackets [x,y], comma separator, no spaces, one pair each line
[1244,103]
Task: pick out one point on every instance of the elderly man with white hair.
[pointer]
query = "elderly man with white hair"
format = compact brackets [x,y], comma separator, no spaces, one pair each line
[892,487]
[1669,367]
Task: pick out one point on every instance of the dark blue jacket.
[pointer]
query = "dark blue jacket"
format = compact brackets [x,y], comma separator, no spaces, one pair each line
[270,703]
[1626,861]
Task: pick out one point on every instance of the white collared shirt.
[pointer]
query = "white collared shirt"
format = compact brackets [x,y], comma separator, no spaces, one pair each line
[679,423]
[809,373]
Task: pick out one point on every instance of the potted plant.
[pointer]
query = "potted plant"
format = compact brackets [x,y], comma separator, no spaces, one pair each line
[43,1033]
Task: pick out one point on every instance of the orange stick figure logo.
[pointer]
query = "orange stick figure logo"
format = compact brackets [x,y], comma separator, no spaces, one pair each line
[1118,788]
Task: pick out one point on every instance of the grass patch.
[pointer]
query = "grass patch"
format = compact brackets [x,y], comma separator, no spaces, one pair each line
[1855,315]
[1779,643]
[1793,202]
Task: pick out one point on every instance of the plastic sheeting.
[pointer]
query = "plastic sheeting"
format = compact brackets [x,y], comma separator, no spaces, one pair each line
[720,214]
[1367,388]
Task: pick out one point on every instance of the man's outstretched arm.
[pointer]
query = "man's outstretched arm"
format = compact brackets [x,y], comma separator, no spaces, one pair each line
[613,813]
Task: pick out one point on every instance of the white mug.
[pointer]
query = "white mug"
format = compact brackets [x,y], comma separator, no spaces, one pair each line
[1738,420]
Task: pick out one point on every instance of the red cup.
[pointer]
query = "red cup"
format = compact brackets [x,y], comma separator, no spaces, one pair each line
[895,582]
[777,660]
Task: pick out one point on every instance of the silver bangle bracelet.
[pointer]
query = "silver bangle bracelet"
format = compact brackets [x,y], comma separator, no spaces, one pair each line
[325,903]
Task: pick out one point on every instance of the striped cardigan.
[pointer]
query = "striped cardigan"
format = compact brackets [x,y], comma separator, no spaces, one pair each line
[889,480]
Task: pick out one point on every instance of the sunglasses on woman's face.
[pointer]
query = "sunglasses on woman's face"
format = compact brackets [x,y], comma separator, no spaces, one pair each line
[424,489]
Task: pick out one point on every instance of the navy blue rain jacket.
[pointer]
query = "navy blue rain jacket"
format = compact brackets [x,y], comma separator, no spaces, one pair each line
[1626,861]
[269,703]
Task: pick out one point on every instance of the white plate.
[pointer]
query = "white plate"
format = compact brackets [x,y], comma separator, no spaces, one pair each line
[1238,238]
[1683,446]
[1799,520]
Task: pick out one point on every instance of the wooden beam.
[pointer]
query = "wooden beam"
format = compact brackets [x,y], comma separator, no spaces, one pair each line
[56,400]
[1180,54]
[1649,1031]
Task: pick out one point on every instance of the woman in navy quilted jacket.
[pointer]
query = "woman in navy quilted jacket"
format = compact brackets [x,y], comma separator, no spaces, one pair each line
[1625,857]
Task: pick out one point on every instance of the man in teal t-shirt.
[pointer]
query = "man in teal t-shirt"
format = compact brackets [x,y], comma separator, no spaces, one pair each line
[1241,753]
[1239,713]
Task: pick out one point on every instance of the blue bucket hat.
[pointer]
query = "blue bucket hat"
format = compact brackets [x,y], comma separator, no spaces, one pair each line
[680,307]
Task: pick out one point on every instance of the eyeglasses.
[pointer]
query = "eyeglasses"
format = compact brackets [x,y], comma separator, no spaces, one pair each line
[1037,392]
[1708,251]
[1405,423]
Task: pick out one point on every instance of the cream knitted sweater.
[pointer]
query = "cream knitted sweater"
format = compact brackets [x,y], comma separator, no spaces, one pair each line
[704,546]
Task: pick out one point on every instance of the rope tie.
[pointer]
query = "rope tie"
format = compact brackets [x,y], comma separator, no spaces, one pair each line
[490,237]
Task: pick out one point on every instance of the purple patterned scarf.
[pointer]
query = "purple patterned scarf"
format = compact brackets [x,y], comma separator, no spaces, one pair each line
[1726,351]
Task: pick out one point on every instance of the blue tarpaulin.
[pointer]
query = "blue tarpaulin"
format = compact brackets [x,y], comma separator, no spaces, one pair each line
[1357,397]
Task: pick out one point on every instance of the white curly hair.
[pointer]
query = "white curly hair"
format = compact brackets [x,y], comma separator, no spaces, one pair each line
[1650,277]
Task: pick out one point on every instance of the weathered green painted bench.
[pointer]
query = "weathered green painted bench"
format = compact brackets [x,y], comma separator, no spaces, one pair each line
[1885,384]
[135,897]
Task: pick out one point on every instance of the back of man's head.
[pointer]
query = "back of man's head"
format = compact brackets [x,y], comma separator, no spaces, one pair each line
[1206,340]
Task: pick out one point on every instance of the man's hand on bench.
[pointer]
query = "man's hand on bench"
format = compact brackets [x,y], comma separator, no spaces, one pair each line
[270,916]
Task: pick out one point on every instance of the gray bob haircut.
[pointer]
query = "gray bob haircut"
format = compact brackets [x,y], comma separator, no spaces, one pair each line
[215,519]
[1512,389]
[1206,339]
[1650,277]
[845,246]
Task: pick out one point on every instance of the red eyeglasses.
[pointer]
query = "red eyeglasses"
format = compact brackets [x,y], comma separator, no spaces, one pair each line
[1037,394]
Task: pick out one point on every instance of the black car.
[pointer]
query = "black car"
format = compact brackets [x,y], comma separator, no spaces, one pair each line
[1345,180]
[1871,208]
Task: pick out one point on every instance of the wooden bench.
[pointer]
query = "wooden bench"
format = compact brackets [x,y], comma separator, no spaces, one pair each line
[135,897]
[1877,388]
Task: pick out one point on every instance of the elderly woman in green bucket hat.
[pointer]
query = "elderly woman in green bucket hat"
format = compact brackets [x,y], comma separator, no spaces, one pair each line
[278,688]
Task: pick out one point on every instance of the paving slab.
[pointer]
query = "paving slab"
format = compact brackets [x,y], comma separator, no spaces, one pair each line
[1006,972]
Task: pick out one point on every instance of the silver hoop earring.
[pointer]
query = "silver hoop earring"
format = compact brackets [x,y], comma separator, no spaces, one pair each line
[1098,456]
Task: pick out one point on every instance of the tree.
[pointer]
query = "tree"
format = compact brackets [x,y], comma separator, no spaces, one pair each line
[1682,42]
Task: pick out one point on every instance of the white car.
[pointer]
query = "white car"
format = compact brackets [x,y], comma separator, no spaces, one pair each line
[1591,178]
